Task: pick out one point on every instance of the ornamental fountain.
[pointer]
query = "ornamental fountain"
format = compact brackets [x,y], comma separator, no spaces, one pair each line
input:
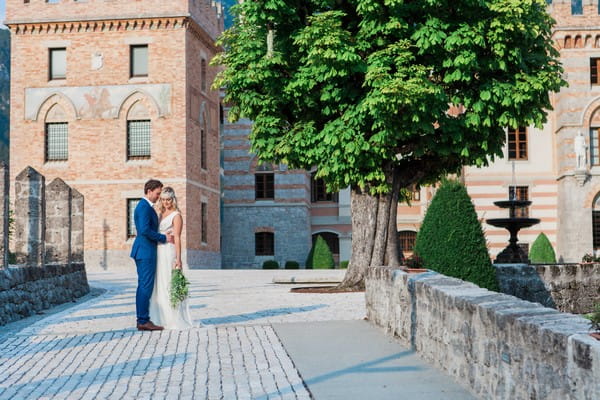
[512,254]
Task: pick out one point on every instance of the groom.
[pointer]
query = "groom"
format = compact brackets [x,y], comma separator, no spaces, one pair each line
[144,252]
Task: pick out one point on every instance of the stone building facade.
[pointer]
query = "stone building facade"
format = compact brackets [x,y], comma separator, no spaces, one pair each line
[109,94]
[271,212]
[554,169]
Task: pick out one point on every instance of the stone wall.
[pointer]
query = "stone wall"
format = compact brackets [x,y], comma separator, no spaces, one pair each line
[48,242]
[573,288]
[499,346]
[24,291]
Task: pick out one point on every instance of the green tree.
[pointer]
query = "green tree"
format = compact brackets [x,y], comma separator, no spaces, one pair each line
[451,239]
[320,256]
[384,94]
[541,251]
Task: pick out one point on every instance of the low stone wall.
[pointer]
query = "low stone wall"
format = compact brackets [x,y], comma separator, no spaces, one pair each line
[496,344]
[573,288]
[25,291]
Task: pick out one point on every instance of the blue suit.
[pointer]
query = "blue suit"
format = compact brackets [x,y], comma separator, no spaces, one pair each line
[144,254]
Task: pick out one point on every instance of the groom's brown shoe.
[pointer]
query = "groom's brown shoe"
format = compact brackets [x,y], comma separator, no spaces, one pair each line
[149,326]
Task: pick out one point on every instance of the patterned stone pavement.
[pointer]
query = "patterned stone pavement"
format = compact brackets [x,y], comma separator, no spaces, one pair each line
[92,351]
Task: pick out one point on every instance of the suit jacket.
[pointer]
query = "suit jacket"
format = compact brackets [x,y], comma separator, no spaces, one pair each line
[146,224]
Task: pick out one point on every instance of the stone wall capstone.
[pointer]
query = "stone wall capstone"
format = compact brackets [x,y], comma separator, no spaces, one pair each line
[30,217]
[499,346]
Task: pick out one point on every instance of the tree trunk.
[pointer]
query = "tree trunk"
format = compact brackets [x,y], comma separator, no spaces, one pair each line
[374,238]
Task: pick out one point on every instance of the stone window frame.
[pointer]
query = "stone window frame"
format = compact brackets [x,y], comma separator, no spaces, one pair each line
[143,127]
[518,143]
[56,141]
[264,243]
[133,65]
[53,75]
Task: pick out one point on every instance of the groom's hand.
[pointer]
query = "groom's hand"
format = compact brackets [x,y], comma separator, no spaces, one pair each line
[170,238]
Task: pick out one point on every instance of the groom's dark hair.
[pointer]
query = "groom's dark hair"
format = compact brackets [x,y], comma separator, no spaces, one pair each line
[151,185]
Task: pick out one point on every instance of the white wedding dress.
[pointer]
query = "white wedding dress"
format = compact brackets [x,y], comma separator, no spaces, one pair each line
[161,312]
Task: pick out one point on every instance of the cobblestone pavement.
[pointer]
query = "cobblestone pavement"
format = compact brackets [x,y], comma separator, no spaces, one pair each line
[92,351]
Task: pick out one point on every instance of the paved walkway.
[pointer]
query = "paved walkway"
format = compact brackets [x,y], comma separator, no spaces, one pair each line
[257,340]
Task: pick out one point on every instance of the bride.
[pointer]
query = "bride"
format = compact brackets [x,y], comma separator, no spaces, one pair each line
[168,257]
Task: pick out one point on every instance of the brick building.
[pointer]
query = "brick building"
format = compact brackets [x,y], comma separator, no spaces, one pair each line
[107,94]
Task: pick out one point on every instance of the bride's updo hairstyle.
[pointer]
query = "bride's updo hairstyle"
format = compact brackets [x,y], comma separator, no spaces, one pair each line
[168,193]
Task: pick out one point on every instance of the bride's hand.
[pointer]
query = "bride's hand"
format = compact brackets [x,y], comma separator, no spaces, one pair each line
[177,264]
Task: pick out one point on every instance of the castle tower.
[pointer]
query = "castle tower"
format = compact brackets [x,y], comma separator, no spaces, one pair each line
[108,94]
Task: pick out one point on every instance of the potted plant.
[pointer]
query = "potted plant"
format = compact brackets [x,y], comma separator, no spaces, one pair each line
[594,318]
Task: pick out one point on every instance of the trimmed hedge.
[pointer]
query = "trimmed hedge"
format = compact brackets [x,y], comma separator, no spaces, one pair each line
[451,239]
[290,264]
[320,257]
[270,264]
[344,264]
[541,251]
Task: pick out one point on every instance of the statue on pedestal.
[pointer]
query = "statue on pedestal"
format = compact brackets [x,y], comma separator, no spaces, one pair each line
[580,152]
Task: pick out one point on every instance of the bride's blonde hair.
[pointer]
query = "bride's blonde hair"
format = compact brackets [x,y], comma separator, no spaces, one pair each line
[167,193]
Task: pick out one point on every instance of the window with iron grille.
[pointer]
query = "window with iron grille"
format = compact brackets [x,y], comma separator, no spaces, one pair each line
[576,7]
[594,146]
[138,60]
[264,184]
[131,205]
[57,140]
[517,143]
[203,75]
[264,244]
[138,140]
[332,240]
[58,63]
[204,222]
[519,193]
[407,240]
[319,192]
[596,229]
[203,148]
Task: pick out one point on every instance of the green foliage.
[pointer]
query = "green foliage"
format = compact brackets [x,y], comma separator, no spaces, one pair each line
[414,261]
[451,239]
[270,264]
[290,264]
[589,258]
[594,318]
[179,287]
[344,264]
[362,88]
[320,256]
[541,251]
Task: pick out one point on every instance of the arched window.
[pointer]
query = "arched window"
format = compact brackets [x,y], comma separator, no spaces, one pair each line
[594,146]
[596,222]
[407,240]
[578,42]
[56,132]
[331,239]
[138,132]
[203,141]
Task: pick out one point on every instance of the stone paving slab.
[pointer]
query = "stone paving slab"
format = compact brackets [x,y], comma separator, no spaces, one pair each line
[92,351]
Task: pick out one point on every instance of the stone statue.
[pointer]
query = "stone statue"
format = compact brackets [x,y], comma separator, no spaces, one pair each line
[580,152]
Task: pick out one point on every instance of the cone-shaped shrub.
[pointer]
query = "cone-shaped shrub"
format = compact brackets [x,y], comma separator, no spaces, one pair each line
[541,251]
[320,256]
[451,239]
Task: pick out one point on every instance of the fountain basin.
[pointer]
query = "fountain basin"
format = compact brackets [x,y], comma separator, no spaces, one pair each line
[511,223]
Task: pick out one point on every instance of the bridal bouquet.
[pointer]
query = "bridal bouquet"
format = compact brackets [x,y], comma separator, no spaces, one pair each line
[179,287]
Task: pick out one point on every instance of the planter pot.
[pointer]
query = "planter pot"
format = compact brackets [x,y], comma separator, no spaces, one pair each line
[595,335]
[417,270]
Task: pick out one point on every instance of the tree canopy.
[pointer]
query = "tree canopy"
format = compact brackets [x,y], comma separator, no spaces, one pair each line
[362,88]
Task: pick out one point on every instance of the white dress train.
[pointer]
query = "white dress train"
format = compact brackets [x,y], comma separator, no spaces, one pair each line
[161,312]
